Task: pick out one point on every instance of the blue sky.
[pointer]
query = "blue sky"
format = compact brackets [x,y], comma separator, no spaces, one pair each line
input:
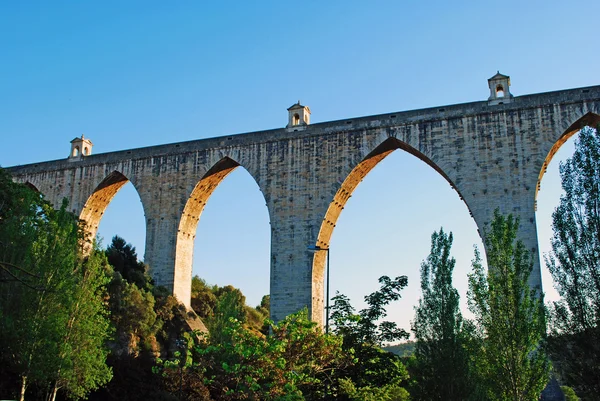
[146,73]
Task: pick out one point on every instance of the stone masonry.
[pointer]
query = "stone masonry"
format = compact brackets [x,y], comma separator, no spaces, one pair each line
[492,152]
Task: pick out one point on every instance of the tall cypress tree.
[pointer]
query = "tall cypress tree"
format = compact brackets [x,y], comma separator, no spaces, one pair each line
[510,317]
[441,364]
[575,267]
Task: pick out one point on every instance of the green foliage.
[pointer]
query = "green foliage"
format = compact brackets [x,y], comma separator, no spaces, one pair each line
[82,351]
[388,392]
[265,305]
[365,327]
[575,267]
[123,258]
[133,315]
[231,304]
[403,350]
[290,364]
[569,393]
[363,336]
[204,299]
[296,361]
[52,312]
[510,318]
[441,365]
[147,320]
[216,305]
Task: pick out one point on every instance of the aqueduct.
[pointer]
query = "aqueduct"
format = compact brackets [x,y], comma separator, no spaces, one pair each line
[493,153]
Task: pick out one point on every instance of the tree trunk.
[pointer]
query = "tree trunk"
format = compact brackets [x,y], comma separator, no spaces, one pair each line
[23,387]
[53,393]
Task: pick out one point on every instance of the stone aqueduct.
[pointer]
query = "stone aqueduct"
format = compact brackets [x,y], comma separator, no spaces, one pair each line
[493,153]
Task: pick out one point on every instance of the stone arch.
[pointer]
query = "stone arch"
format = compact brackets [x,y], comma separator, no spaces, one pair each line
[98,201]
[358,173]
[545,205]
[31,186]
[340,198]
[499,91]
[590,119]
[184,248]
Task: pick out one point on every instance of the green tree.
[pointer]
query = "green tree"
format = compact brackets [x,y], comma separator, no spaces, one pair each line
[82,350]
[215,305]
[265,305]
[510,317]
[440,369]
[204,299]
[47,310]
[363,335]
[123,258]
[569,393]
[133,315]
[290,364]
[231,304]
[574,263]
[44,244]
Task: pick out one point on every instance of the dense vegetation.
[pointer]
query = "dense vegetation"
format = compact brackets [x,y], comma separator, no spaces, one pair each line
[574,263]
[53,323]
[77,321]
[441,359]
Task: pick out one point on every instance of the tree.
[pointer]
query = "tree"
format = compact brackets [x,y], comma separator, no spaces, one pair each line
[290,364]
[363,336]
[82,350]
[52,314]
[133,315]
[147,321]
[510,317]
[441,364]
[215,305]
[574,263]
[569,393]
[204,300]
[123,258]
[230,305]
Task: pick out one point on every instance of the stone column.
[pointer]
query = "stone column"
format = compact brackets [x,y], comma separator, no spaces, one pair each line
[161,247]
[292,286]
[519,203]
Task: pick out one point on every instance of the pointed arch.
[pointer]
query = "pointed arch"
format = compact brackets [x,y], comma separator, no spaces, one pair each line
[357,175]
[589,119]
[184,247]
[200,194]
[339,200]
[96,204]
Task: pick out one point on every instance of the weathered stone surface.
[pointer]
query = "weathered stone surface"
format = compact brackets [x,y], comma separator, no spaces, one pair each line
[493,155]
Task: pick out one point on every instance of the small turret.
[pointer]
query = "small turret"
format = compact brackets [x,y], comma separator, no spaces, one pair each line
[80,147]
[499,89]
[299,116]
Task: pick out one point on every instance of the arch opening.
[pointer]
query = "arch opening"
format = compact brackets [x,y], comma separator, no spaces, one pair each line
[205,250]
[499,91]
[124,216]
[388,227]
[357,175]
[96,204]
[547,197]
[589,119]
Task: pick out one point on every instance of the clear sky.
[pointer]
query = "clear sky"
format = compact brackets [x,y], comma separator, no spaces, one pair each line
[140,73]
